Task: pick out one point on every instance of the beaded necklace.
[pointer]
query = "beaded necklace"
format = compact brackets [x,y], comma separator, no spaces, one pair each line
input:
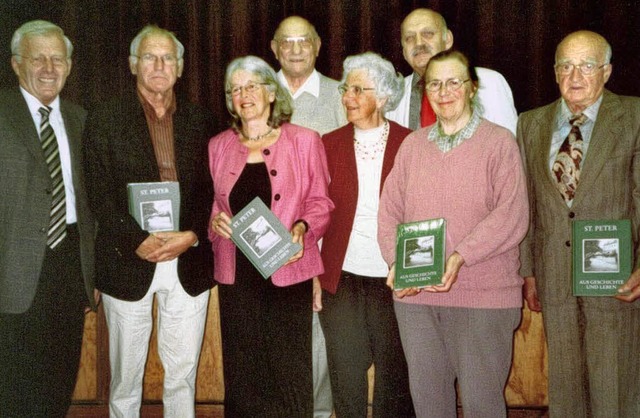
[256,138]
[372,150]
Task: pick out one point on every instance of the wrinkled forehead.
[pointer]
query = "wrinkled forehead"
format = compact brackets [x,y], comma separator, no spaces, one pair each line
[580,49]
[294,28]
[417,22]
[157,42]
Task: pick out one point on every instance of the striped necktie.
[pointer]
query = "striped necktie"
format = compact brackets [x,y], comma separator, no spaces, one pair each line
[58,215]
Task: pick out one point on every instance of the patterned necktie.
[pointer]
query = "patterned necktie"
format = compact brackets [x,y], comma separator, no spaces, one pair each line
[427,115]
[58,215]
[567,165]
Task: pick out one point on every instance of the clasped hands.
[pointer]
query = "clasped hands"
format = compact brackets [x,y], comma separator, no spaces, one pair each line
[165,246]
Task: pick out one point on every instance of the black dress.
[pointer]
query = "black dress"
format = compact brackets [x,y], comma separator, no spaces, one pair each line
[266,330]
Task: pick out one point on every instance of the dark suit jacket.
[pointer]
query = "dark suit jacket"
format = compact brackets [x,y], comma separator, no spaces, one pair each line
[118,150]
[343,190]
[25,204]
[608,189]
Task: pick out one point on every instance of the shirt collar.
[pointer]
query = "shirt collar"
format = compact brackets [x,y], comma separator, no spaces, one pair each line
[151,112]
[565,114]
[311,85]
[34,104]
[447,142]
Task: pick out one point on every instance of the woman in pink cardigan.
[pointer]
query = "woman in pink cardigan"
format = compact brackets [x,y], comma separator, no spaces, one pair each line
[468,171]
[266,324]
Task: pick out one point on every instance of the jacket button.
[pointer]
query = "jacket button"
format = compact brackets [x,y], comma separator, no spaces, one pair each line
[572,215]
[266,152]
[567,243]
[43,230]
[276,197]
[274,172]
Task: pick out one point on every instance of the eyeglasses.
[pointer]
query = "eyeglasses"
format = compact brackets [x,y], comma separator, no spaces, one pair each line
[40,61]
[586,68]
[305,42]
[250,87]
[168,59]
[451,84]
[356,90]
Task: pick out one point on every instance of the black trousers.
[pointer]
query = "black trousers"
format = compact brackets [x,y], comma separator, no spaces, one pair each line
[361,329]
[40,348]
[266,347]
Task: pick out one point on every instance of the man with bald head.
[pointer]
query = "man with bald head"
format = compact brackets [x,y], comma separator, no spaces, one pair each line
[593,342]
[316,101]
[424,33]
[317,105]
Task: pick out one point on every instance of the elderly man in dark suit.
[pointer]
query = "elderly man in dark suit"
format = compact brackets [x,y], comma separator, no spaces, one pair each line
[46,232]
[150,136]
[593,342]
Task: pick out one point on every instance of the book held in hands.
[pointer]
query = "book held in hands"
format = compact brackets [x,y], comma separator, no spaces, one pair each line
[155,205]
[601,256]
[420,253]
[262,238]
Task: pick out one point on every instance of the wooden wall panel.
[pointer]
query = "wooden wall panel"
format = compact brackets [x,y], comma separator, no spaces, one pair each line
[527,386]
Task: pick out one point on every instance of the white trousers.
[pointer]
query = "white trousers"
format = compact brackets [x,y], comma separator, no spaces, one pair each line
[180,327]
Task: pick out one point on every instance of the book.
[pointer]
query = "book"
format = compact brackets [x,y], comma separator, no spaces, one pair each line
[420,253]
[601,256]
[262,238]
[155,205]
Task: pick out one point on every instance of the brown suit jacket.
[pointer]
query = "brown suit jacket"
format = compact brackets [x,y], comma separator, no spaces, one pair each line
[609,189]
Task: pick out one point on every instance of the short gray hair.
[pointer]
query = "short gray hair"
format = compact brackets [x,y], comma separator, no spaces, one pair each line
[281,108]
[37,28]
[389,83]
[154,30]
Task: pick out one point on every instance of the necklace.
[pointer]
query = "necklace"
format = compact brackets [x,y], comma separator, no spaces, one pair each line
[368,150]
[256,138]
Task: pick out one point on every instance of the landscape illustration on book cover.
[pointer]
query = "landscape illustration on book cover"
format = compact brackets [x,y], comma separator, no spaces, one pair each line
[262,238]
[155,205]
[601,256]
[420,253]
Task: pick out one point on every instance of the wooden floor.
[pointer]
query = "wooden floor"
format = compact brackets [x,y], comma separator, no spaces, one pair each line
[217,411]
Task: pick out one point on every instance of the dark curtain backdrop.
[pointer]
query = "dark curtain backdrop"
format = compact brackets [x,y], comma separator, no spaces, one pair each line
[515,37]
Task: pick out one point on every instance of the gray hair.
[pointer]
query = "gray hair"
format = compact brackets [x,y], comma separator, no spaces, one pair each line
[37,28]
[154,30]
[389,83]
[281,108]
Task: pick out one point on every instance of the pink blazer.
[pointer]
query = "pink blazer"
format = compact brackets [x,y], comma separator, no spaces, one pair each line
[297,167]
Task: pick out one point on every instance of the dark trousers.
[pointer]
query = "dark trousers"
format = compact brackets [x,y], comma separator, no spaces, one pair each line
[360,329]
[40,348]
[266,346]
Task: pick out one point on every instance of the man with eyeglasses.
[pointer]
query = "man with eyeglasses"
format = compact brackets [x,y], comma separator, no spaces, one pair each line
[148,135]
[316,105]
[46,229]
[424,33]
[581,156]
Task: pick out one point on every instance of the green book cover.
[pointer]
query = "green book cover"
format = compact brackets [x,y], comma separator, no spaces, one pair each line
[601,256]
[262,237]
[155,205]
[420,253]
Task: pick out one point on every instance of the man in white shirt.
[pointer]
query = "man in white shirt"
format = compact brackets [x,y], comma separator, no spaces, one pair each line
[317,104]
[424,34]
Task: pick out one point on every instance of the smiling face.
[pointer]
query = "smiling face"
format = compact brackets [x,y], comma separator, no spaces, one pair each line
[363,110]
[42,67]
[423,35]
[580,91]
[251,106]
[450,105]
[296,47]
[156,76]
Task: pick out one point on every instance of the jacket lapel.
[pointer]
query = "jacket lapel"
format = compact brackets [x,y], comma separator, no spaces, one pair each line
[603,141]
